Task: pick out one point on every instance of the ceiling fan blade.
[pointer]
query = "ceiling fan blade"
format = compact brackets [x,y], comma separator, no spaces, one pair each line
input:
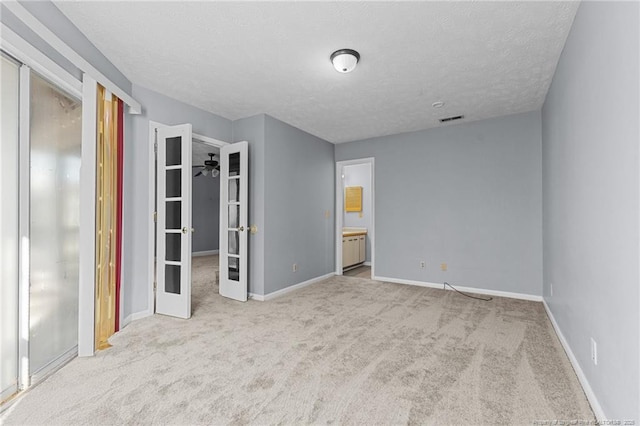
[198,174]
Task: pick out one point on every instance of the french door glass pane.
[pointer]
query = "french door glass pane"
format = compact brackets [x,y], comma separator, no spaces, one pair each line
[172,247]
[172,279]
[234,216]
[234,269]
[234,190]
[9,72]
[174,183]
[173,215]
[234,164]
[174,151]
[234,242]
[55,191]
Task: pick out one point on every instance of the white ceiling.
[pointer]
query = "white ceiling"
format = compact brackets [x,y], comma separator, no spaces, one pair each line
[237,59]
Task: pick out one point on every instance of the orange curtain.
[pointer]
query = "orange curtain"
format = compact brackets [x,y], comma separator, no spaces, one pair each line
[108,216]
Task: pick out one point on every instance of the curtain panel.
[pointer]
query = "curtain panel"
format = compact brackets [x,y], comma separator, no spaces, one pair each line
[109,162]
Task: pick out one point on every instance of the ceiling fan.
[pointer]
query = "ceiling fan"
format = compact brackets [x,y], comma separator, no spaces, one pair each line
[210,165]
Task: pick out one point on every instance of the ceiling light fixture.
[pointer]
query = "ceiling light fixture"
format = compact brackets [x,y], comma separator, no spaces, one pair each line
[437,104]
[345,60]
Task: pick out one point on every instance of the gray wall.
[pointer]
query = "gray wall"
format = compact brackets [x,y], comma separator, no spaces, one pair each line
[205,213]
[468,195]
[359,175]
[290,187]
[590,168]
[251,129]
[299,189]
[165,110]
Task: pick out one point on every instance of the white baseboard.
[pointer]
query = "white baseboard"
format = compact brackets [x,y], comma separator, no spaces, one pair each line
[258,297]
[135,316]
[367,263]
[497,293]
[289,289]
[591,396]
[204,253]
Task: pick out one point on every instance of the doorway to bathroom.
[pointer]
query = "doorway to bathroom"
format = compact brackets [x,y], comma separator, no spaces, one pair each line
[355,214]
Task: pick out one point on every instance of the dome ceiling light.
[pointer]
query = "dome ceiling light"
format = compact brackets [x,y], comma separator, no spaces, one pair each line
[345,60]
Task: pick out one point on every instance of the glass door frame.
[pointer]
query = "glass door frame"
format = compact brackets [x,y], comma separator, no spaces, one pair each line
[30,59]
[26,377]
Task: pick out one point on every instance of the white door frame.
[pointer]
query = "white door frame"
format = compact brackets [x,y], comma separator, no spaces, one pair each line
[31,60]
[153,125]
[340,208]
[24,225]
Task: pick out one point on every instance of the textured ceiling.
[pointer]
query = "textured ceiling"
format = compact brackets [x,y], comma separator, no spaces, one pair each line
[237,59]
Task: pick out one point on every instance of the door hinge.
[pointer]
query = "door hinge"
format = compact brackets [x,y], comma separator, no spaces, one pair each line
[155,216]
[155,147]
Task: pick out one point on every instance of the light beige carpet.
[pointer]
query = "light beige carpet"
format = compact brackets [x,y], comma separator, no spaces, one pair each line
[345,351]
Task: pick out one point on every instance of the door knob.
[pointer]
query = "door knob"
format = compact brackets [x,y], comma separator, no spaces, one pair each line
[241,228]
[184,229]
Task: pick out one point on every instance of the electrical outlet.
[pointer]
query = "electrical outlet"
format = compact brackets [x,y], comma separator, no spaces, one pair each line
[594,352]
[295,267]
[443,266]
[423,264]
[551,289]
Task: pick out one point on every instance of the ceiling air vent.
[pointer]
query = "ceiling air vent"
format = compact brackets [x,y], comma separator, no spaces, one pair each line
[446,120]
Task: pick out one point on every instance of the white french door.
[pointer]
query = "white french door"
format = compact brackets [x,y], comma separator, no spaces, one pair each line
[173,226]
[234,176]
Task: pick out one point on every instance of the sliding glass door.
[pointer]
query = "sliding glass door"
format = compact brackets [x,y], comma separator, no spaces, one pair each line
[9,89]
[39,226]
[55,130]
